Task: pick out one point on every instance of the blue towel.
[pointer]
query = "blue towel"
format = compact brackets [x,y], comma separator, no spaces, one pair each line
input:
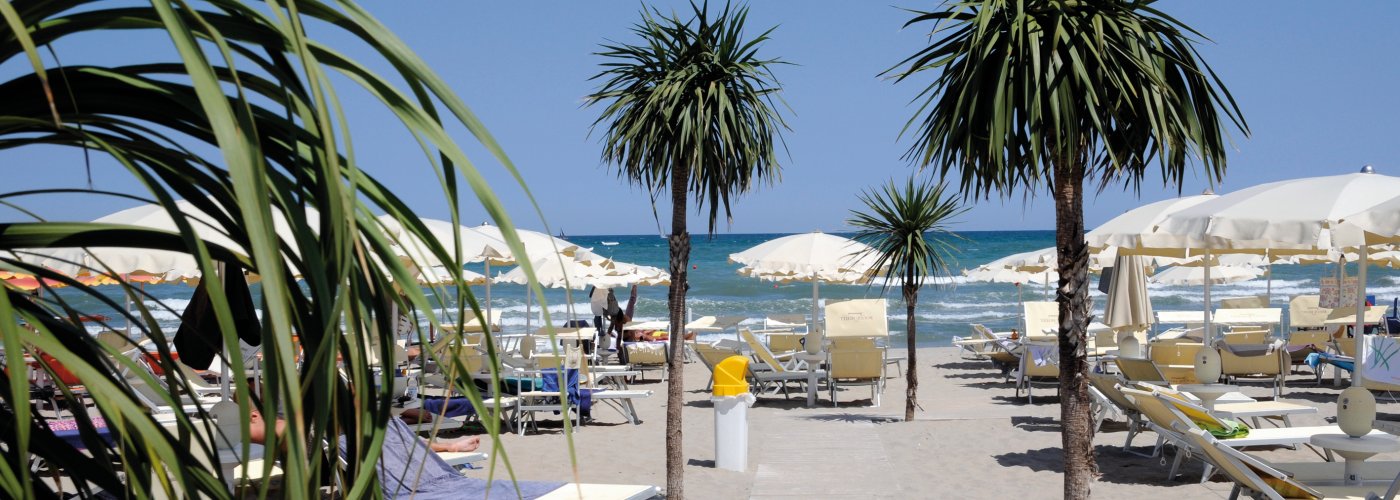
[1317,358]
[456,407]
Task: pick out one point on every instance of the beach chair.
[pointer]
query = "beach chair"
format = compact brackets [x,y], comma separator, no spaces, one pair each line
[1267,361]
[1041,319]
[1140,370]
[1252,302]
[785,322]
[1303,343]
[1108,387]
[1040,364]
[1171,416]
[981,344]
[710,356]
[551,397]
[1256,479]
[643,356]
[1176,360]
[768,373]
[856,365]
[866,319]
[609,387]
[785,342]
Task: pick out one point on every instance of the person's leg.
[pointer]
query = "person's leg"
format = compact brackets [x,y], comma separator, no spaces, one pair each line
[461,444]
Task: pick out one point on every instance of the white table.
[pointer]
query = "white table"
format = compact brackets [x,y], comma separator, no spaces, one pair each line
[1208,393]
[813,362]
[1356,450]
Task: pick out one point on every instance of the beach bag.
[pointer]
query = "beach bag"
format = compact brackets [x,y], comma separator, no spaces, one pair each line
[1337,290]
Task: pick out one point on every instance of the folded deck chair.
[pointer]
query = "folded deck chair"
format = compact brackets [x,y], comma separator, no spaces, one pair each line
[1256,479]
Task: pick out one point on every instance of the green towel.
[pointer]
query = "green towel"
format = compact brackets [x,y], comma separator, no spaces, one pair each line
[1230,430]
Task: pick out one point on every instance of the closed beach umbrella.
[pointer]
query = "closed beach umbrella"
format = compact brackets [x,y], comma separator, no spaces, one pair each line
[816,257]
[1129,308]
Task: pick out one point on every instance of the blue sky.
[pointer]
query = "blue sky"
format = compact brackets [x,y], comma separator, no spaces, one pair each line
[1317,82]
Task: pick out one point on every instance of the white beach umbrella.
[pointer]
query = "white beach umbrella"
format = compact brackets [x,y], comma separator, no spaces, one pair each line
[1295,214]
[1196,275]
[816,257]
[1287,214]
[537,246]
[1127,229]
[563,272]
[165,264]
[476,246]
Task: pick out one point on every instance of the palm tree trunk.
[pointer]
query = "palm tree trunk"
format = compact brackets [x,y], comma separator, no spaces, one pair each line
[911,374]
[1076,432]
[680,262]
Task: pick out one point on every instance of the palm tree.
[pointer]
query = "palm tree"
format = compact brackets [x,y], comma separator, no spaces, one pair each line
[239,115]
[907,230]
[1050,93]
[689,108]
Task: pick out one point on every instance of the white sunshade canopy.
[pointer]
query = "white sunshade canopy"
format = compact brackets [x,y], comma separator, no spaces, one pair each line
[1126,230]
[476,245]
[806,257]
[1128,304]
[562,272]
[1291,214]
[537,246]
[1195,275]
[164,265]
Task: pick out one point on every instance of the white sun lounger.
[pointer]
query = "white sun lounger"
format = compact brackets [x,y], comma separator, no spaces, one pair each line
[590,491]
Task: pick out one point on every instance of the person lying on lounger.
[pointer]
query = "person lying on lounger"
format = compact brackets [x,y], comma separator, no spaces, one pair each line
[257,434]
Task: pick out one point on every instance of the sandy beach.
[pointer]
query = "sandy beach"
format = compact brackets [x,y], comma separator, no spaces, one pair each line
[972,439]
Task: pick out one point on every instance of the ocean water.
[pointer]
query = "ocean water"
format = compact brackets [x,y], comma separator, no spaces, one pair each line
[717,289]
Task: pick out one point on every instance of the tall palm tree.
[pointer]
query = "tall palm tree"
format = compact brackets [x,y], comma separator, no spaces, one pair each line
[907,230]
[1031,94]
[690,109]
[239,115]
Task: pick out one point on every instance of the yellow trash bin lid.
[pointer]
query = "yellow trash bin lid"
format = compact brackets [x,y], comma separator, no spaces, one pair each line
[731,376]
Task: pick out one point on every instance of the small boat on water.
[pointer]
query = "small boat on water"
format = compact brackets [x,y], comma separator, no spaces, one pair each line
[609,243]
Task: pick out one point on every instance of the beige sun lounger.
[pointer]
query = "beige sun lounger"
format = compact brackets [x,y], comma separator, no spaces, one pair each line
[1168,417]
[1249,474]
[769,374]
[590,491]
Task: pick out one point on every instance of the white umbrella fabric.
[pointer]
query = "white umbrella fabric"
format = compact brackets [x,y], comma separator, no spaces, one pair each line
[1196,275]
[563,272]
[1129,308]
[1296,214]
[537,246]
[816,257]
[1127,229]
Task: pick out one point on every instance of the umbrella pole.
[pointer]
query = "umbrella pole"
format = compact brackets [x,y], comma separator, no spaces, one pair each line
[486,326]
[815,314]
[1207,333]
[528,316]
[1269,277]
[1360,329]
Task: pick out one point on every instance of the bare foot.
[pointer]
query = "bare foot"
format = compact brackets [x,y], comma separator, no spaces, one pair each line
[462,444]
